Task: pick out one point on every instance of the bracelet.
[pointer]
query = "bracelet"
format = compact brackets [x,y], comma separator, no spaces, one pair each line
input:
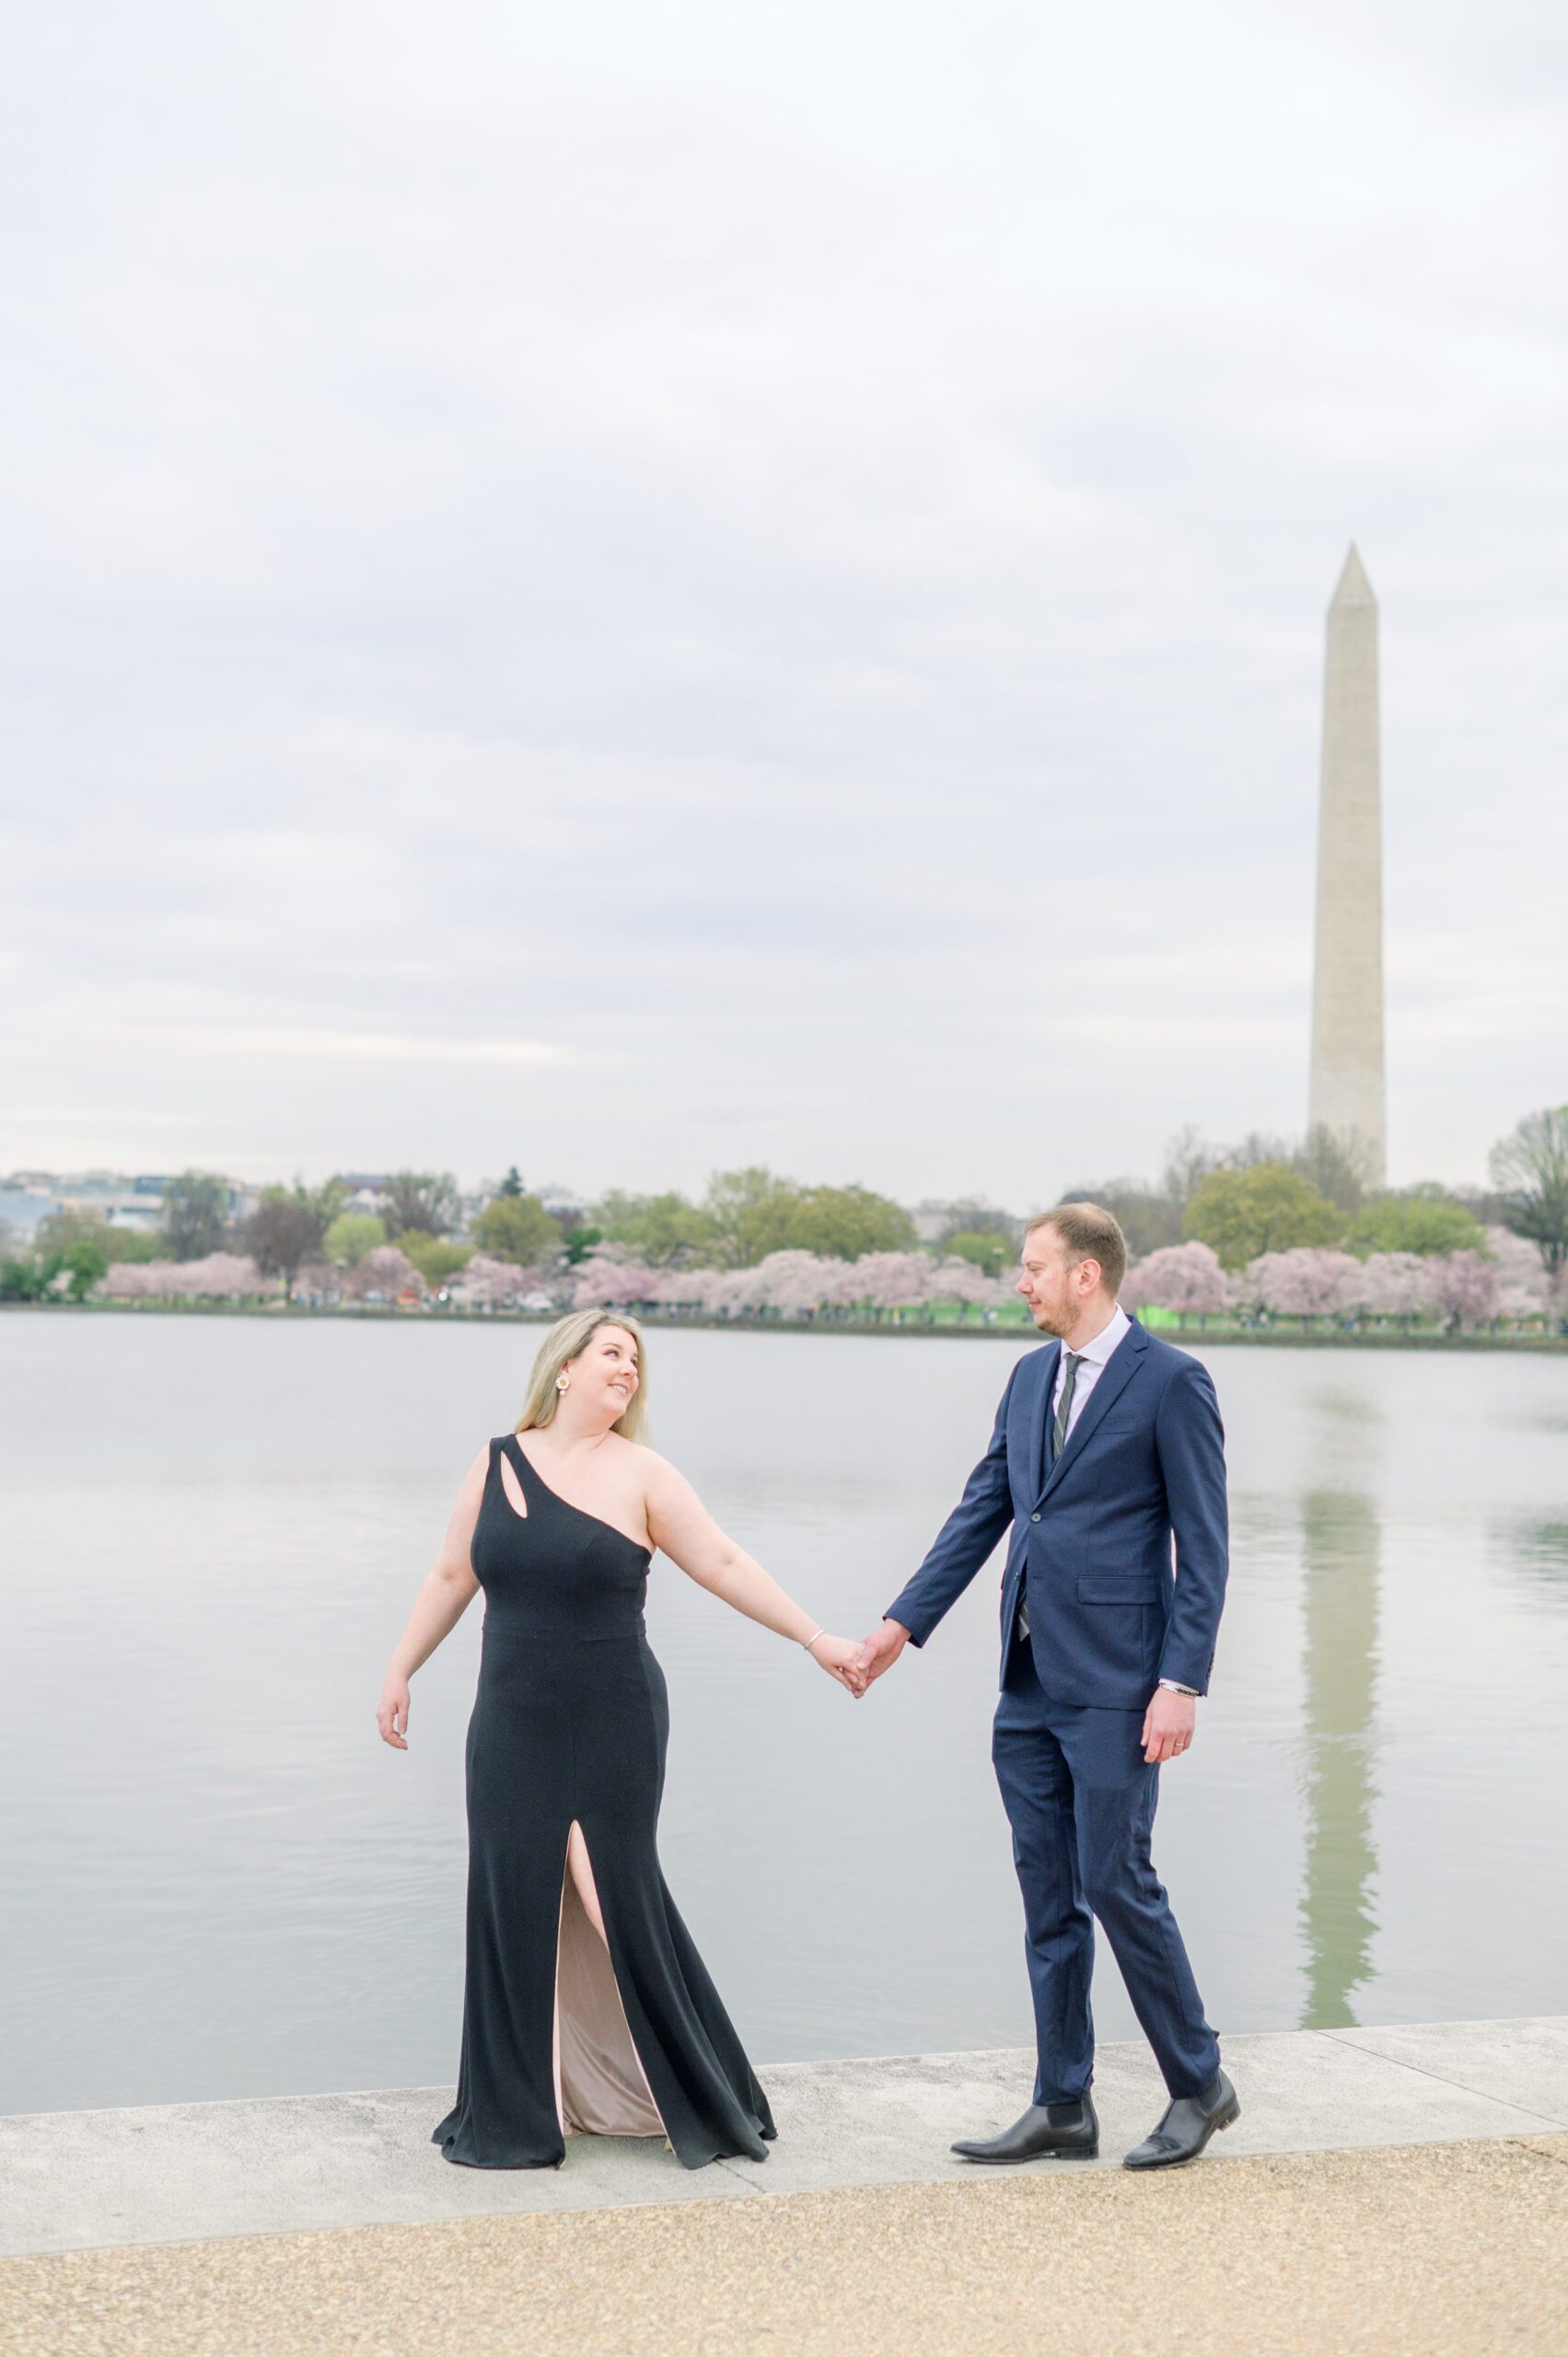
[812,1639]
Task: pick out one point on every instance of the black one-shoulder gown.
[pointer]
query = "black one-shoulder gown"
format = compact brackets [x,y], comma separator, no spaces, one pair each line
[570,1725]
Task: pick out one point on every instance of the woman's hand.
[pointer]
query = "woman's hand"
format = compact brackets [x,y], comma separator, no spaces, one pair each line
[391,1714]
[841,1658]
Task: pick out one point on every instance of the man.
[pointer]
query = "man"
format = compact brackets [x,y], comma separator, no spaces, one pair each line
[1107,1447]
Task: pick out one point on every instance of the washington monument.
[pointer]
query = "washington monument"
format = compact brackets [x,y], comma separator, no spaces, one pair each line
[1346,1094]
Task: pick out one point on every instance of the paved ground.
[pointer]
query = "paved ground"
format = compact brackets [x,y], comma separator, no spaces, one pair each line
[1440,2250]
[1399,2191]
[73,2180]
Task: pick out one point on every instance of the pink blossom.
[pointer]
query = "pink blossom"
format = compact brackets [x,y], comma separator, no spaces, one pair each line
[220,1276]
[384,1273]
[1183,1277]
[1309,1281]
[879,1281]
[1523,1288]
[961,1282]
[607,1278]
[485,1283]
[1466,1290]
[1395,1284]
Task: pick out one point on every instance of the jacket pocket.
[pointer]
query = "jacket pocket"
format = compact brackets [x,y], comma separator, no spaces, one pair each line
[1116,1587]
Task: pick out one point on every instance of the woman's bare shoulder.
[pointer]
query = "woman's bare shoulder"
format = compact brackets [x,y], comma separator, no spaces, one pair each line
[654,1471]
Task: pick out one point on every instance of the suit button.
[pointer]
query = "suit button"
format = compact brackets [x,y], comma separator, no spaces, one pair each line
[1034,1517]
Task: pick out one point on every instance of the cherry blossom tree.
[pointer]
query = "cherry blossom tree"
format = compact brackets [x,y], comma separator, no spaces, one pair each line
[963,1282]
[1309,1281]
[1466,1291]
[226,1276]
[487,1283]
[1524,1286]
[696,1291]
[218,1276]
[383,1274]
[1398,1285]
[1186,1278]
[607,1278]
[790,1283]
[887,1281]
[133,1280]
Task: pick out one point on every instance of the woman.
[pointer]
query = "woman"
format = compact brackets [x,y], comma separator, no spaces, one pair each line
[587,2006]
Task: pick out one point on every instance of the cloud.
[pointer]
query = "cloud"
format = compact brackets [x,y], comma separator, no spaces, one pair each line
[785,564]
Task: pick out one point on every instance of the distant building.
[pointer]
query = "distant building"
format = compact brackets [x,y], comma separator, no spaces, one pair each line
[119,1198]
[23,1208]
[562,1204]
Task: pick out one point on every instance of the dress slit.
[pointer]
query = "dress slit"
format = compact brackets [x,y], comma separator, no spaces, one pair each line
[604,2088]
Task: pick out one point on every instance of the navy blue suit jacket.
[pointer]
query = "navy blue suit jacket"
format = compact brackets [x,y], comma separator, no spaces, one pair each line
[1111,1611]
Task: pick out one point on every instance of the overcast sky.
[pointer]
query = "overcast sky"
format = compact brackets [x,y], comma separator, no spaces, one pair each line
[637,589]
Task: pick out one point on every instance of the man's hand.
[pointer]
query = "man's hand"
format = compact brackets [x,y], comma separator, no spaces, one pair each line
[882,1649]
[1168,1724]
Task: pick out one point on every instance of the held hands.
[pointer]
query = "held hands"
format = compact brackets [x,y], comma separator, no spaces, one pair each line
[1167,1725]
[391,1714]
[840,1657]
[881,1650]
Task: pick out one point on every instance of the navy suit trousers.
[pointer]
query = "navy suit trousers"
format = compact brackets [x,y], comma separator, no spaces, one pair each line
[1080,1798]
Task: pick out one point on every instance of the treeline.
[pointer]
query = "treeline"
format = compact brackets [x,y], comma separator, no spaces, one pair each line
[744,1216]
[1269,1195]
[1265,1196]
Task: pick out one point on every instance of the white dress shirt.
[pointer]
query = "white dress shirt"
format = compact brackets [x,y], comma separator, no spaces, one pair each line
[1091,1366]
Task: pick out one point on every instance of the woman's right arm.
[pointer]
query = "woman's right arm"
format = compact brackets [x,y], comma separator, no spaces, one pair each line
[449,1590]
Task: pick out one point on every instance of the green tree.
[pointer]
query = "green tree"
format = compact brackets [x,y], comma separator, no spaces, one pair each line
[287,1229]
[982,1247]
[351,1235]
[733,1197]
[839,1221]
[512,1184]
[28,1276]
[1269,1208]
[664,1230]
[421,1200]
[1423,1220]
[63,1230]
[436,1258]
[195,1214]
[516,1228]
[87,1262]
[1529,1169]
[138,1244]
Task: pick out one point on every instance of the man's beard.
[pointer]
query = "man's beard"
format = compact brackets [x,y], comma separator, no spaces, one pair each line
[1048,1321]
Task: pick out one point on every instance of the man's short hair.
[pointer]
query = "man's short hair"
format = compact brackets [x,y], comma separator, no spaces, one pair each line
[1088,1233]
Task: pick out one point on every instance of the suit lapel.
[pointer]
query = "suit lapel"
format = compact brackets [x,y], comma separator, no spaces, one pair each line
[1039,1416]
[1114,1377]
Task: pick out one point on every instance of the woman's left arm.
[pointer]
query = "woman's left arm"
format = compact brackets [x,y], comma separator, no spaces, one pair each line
[681,1526]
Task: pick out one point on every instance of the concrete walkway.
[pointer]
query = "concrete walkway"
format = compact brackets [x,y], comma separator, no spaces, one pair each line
[76,2181]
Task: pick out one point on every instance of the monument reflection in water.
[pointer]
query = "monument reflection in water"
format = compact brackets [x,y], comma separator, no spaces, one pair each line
[1339,1566]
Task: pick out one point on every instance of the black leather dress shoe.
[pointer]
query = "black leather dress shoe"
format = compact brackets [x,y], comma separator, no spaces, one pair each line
[1187,2127]
[1062,2131]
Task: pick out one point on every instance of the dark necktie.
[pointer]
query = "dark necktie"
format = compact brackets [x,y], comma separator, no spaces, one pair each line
[1072,1360]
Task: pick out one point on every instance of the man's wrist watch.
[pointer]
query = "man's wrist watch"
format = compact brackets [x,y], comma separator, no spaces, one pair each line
[1173,1687]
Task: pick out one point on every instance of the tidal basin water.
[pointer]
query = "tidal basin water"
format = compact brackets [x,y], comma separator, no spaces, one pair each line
[217,1882]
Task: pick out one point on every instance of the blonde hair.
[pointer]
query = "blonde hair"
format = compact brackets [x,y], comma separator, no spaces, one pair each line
[566,1338]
